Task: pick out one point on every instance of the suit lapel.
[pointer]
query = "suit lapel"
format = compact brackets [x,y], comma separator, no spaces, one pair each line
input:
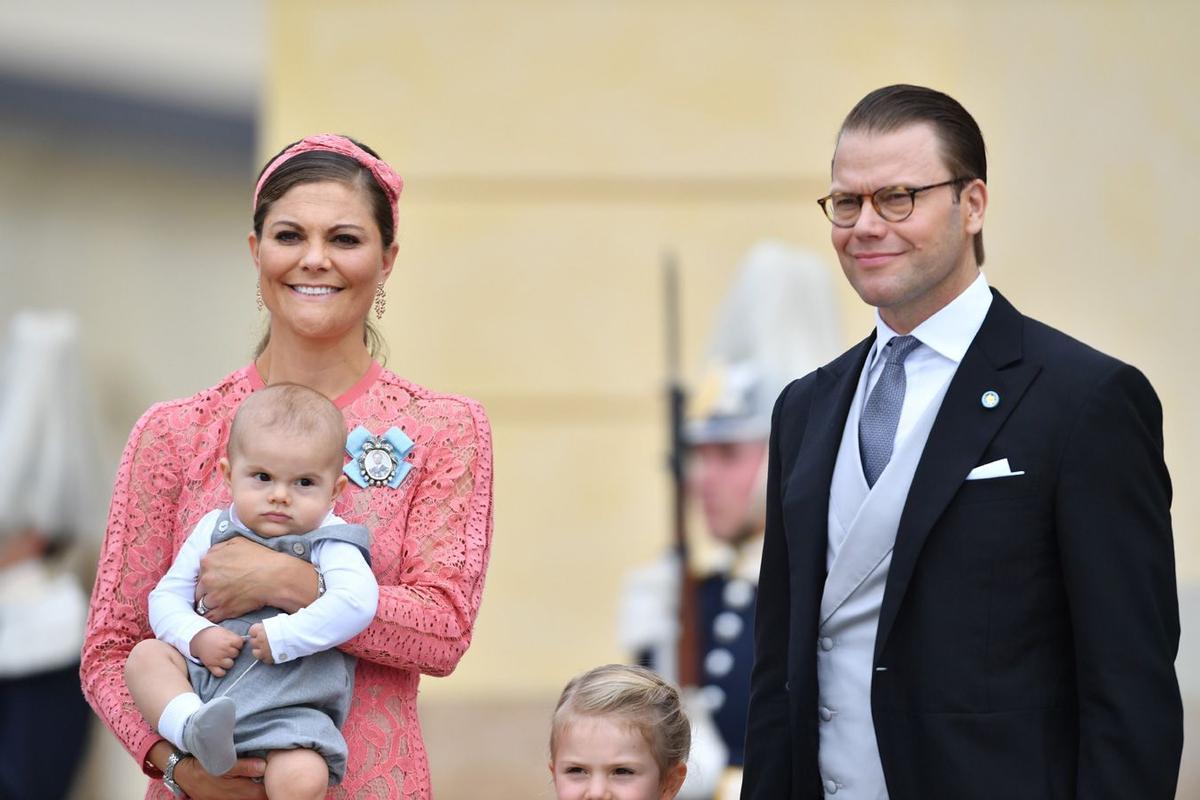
[961,433]
[813,469]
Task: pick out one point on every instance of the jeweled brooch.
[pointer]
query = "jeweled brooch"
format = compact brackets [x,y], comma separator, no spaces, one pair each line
[378,460]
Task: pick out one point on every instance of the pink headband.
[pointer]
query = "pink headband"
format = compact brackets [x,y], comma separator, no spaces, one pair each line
[391,183]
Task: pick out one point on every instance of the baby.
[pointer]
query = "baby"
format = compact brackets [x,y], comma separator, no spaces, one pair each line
[286,695]
[619,732]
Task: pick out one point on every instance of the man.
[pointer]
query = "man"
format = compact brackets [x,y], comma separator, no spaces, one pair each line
[968,583]
[778,320]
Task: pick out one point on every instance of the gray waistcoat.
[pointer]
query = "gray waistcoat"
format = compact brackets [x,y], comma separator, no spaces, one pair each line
[862,530]
[300,703]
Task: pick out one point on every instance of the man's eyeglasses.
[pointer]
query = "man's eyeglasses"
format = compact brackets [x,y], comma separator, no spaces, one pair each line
[893,203]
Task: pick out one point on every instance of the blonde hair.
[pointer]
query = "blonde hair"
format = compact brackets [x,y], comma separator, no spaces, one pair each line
[635,695]
[296,409]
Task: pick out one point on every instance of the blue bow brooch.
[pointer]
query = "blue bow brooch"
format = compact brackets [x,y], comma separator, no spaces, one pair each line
[377,460]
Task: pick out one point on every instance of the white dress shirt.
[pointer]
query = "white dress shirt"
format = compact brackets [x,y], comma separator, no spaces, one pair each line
[944,338]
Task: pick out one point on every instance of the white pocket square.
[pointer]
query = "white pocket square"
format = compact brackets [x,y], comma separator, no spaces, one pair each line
[993,469]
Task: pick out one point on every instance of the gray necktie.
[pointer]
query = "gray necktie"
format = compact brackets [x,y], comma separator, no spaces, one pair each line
[881,414]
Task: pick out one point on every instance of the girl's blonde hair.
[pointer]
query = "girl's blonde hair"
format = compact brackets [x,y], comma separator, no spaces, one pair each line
[637,696]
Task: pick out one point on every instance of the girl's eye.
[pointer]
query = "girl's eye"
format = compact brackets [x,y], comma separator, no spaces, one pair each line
[623,771]
[306,482]
[262,476]
[574,770]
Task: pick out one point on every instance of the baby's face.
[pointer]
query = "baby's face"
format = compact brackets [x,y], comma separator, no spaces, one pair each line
[280,483]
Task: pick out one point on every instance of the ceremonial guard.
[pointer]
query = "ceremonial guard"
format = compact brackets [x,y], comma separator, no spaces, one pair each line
[50,513]
[778,321]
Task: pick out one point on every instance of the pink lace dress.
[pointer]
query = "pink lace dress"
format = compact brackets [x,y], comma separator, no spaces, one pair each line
[430,544]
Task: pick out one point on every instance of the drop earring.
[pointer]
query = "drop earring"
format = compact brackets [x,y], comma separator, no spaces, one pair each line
[380,301]
[258,296]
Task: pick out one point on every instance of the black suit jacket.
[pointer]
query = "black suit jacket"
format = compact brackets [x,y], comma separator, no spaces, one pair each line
[1029,625]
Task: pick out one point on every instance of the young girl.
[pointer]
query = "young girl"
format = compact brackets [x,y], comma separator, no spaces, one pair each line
[619,733]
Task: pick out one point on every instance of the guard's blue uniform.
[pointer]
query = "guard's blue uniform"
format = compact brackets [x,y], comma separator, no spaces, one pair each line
[726,639]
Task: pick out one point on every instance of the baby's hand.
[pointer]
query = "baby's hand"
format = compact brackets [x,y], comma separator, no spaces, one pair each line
[216,648]
[260,648]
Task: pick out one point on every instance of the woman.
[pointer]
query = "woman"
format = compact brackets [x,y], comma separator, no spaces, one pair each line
[324,245]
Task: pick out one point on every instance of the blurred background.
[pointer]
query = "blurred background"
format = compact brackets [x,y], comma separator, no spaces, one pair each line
[554,151]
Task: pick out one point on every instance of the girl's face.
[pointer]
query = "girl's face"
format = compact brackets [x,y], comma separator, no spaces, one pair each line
[599,758]
[319,260]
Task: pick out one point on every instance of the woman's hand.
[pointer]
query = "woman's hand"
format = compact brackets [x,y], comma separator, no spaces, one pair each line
[216,648]
[239,576]
[233,785]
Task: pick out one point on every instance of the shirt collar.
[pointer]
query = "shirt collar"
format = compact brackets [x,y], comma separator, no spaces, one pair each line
[233,517]
[950,331]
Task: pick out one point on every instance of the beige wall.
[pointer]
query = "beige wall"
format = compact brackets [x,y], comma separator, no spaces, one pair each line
[150,254]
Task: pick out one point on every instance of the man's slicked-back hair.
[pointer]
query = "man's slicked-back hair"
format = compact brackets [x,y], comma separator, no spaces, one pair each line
[891,108]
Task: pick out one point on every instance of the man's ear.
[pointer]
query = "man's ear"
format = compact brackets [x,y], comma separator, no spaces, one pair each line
[975,200]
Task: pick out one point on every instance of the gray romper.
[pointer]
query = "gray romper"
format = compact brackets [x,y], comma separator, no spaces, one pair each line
[299,703]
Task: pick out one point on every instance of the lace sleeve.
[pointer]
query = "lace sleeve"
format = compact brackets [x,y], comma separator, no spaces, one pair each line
[136,552]
[426,614]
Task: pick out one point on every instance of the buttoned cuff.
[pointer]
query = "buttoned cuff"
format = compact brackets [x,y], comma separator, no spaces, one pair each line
[282,650]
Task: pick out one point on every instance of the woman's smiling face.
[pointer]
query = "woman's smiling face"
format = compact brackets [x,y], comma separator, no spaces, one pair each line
[319,260]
